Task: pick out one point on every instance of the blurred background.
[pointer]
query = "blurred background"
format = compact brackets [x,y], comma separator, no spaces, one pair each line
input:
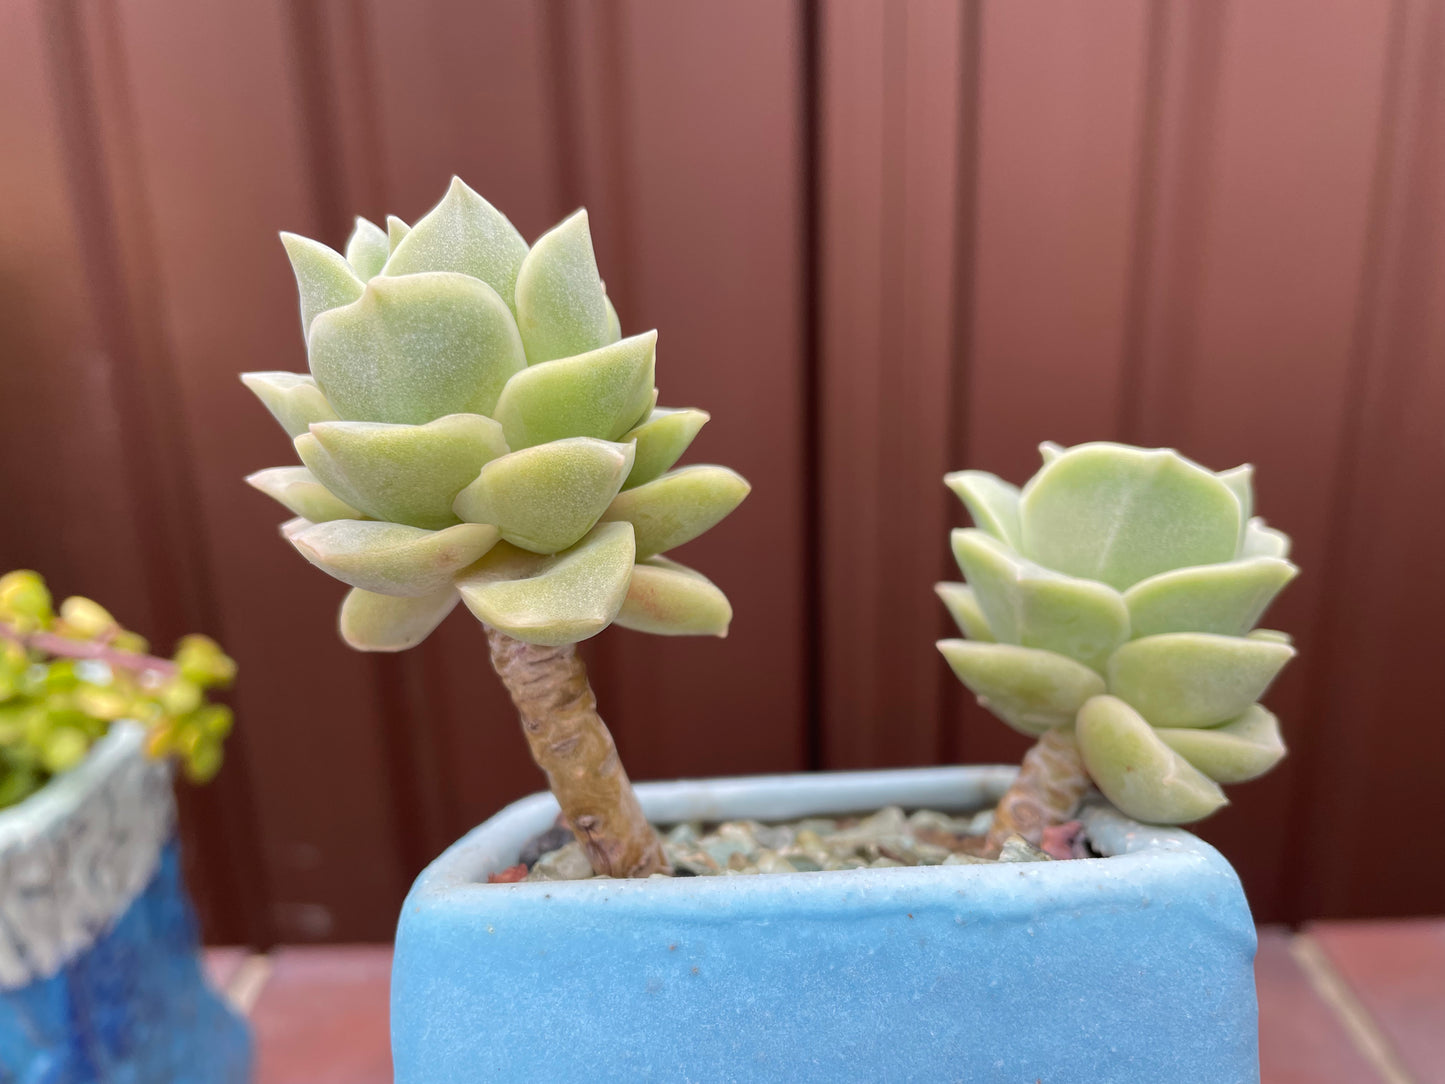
[881,240]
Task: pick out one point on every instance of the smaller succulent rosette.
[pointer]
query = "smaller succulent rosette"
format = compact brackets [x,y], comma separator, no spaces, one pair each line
[475,428]
[1118,593]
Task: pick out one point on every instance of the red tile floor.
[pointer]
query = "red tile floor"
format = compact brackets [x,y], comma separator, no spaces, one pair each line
[1340,1003]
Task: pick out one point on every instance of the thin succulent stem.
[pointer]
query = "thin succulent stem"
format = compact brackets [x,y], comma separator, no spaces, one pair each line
[570,742]
[53,644]
[1050,784]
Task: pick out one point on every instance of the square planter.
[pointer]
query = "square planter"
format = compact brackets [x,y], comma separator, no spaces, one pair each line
[100,978]
[1137,967]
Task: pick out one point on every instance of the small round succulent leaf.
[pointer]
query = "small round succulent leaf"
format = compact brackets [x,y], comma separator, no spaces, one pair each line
[1031,690]
[992,502]
[1234,752]
[561,305]
[963,606]
[403,473]
[1192,679]
[372,622]
[614,322]
[669,599]
[1261,540]
[1137,771]
[1119,515]
[297,489]
[323,277]
[294,399]
[661,440]
[396,229]
[679,506]
[545,498]
[367,249]
[598,394]
[1032,606]
[416,348]
[1226,599]
[466,234]
[390,558]
[553,600]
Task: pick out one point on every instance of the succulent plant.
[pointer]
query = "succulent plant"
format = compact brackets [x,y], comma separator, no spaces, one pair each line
[475,428]
[1110,611]
[66,676]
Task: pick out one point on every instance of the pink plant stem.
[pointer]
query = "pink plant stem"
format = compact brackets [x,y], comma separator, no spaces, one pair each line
[52,644]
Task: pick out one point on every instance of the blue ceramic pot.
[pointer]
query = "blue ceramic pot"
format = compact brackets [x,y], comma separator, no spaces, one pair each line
[1135,968]
[100,980]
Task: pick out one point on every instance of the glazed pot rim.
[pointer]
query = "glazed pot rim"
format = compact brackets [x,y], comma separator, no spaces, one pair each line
[38,813]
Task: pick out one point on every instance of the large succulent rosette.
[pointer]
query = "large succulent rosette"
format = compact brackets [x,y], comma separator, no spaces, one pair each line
[1117,593]
[475,428]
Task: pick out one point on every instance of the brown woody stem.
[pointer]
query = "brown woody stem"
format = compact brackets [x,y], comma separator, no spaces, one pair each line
[1050,784]
[571,743]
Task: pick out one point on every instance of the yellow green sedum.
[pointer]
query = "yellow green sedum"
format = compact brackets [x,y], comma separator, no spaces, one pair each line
[475,428]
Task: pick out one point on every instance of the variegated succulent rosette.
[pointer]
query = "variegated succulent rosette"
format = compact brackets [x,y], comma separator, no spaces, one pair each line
[475,428]
[1117,593]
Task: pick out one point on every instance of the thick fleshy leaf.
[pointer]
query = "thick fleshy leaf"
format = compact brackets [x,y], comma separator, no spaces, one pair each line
[1050,450]
[466,234]
[293,399]
[963,606]
[1235,752]
[396,229]
[679,506]
[323,277]
[661,440]
[614,322]
[1031,690]
[1273,636]
[390,558]
[561,305]
[415,348]
[403,473]
[1194,679]
[598,394]
[1035,607]
[992,502]
[546,498]
[1240,481]
[298,490]
[553,600]
[669,599]
[1137,771]
[372,622]
[1261,540]
[1226,599]
[1118,514]
[367,249]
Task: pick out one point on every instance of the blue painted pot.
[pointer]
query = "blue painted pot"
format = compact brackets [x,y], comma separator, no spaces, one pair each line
[1136,968]
[100,978]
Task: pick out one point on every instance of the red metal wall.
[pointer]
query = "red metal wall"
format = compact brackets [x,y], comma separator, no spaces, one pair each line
[880,239]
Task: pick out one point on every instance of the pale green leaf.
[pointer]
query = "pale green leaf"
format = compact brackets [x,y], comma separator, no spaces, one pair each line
[1035,607]
[992,502]
[547,497]
[415,348]
[372,622]
[1234,752]
[1031,690]
[557,599]
[1194,679]
[963,605]
[390,558]
[1240,481]
[1137,771]
[1117,514]
[293,399]
[1050,450]
[598,394]
[367,249]
[561,306]
[298,490]
[396,229]
[466,234]
[669,599]
[679,506]
[1226,598]
[614,322]
[661,440]
[323,277]
[1273,636]
[1261,540]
